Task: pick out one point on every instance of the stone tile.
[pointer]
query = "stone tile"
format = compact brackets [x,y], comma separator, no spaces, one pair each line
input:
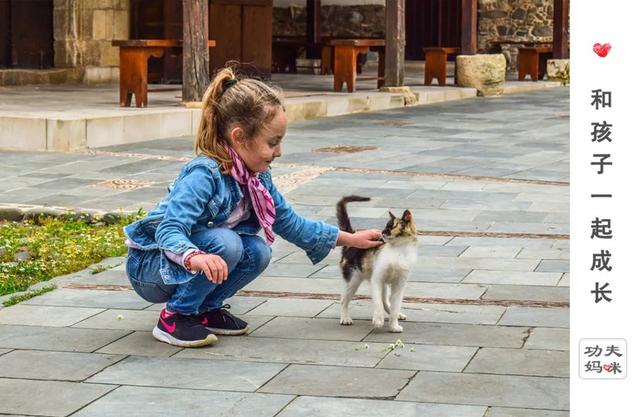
[239,304]
[290,270]
[113,276]
[3,351]
[316,328]
[553,265]
[512,277]
[420,312]
[527,293]
[430,273]
[188,373]
[536,317]
[491,252]
[350,407]
[151,402]
[56,338]
[428,358]
[302,351]
[501,264]
[545,338]
[454,335]
[543,253]
[91,298]
[522,412]
[564,281]
[291,307]
[121,319]
[62,366]
[441,251]
[520,362]
[140,344]
[489,390]
[50,398]
[338,381]
[28,315]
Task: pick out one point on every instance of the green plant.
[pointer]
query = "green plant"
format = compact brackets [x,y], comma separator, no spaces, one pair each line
[35,251]
[15,299]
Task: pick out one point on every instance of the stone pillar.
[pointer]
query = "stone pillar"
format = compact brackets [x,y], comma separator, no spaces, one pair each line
[82,35]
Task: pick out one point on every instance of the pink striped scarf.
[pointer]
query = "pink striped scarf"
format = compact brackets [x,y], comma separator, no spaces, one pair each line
[260,198]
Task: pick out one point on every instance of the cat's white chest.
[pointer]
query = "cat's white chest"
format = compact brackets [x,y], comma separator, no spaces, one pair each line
[398,258]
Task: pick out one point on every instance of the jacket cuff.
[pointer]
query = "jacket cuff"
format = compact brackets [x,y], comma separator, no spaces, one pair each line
[325,243]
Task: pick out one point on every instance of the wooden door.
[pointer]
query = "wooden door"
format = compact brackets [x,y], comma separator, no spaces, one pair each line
[159,19]
[242,31]
[431,23]
[26,34]
[5,33]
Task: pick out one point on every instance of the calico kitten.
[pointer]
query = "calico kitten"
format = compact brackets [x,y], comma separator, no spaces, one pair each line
[387,266]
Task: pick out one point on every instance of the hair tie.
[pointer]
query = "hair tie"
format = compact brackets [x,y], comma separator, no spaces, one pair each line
[228,83]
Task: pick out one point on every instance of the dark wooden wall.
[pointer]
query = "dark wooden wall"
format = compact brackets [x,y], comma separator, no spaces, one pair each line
[26,34]
[431,23]
[241,28]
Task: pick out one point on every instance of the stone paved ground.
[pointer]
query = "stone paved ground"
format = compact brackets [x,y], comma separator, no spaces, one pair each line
[487,330]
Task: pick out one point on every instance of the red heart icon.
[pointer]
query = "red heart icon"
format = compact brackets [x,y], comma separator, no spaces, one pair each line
[607,368]
[601,50]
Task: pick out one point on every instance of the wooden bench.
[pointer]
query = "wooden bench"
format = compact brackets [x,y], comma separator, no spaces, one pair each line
[345,61]
[532,60]
[435,63]
[284,52]
[134,57]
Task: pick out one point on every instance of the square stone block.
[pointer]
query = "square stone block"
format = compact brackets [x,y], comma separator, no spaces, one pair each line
[321,329]
[266,349]
[338,381]
[291,307]
[489,390]
[140,344]
[536,317]
[351,407]
[520,362]
[548,338]
[62,366]
[428,358]
[122,319]
[28,315]
[189,373]
[56,338]
[47,398]
[153,401]
[91,298]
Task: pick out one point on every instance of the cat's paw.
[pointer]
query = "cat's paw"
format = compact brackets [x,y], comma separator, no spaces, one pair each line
[402,316]
[346,321]
[378,320]
[396,328]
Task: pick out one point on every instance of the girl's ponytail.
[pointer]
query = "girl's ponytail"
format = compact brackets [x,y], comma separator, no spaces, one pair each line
[247,102]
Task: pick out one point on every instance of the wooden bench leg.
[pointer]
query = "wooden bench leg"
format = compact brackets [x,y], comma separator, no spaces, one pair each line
[435,65]
[326,60]
[527,64]
[344,68]
[381,59]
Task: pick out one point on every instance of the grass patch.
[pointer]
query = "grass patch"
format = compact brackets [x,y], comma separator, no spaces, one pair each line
[31,252]
[15,299]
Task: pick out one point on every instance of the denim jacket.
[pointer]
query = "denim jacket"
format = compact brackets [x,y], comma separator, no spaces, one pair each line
[202,197]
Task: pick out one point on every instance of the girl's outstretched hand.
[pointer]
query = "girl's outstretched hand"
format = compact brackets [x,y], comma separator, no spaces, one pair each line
[213,266]
[363,239]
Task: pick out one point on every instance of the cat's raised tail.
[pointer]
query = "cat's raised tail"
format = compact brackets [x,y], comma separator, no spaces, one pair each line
[341,212]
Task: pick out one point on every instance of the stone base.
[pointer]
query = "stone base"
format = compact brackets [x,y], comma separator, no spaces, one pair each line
[558,70]
[34,76]
[96,75]
[409,96]
[484,72]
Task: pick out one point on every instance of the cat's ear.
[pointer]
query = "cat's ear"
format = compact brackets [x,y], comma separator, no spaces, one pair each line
[392,216]
[407,216]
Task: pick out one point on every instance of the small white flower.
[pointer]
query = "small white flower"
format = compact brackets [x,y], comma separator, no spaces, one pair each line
[120,317]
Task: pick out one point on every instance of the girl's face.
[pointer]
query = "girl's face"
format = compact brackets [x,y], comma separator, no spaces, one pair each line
[261,150]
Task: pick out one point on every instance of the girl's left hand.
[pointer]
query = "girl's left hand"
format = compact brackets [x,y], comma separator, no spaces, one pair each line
[364,239]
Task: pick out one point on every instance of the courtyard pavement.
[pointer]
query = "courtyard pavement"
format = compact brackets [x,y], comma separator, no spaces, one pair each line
[487,333]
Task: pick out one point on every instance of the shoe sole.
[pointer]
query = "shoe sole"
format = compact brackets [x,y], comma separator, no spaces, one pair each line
[165,337]
[227,332]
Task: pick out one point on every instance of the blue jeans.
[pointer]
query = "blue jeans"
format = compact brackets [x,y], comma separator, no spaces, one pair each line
[246,257]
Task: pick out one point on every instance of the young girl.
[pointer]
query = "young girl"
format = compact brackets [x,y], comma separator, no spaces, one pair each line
[199,246]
